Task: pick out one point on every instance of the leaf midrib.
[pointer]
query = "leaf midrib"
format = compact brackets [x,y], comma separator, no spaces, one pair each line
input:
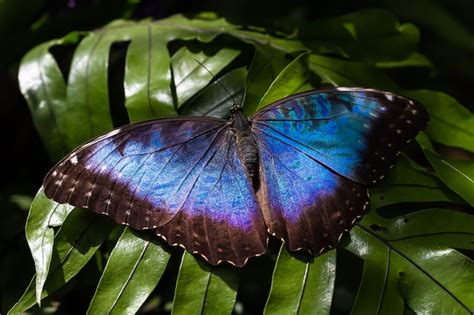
[391,247]
[135,266]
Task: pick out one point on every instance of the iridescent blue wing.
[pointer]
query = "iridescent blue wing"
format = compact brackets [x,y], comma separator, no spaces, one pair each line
[179,176]
[319,150]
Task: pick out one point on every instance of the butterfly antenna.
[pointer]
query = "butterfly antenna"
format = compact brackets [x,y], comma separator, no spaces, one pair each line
[218,81]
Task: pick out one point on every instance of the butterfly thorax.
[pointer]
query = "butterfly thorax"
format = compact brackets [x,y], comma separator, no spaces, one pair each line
[246,145]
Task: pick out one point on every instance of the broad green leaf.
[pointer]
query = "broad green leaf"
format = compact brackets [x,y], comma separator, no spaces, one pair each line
[88,111]
[406,183]
[413,224]
[292,79]
[423,261]
[43,87]
[267,63]
[450,122]
[412,256]
[190,76]
[217,99]
[414,60]
[458,175]
[339,72]
[75,244]
[400,252]
[378,288]
[206,30]
[300,286]
[44,215]
[436,271]
[133,269]
[366,35]
[202,289]
[391,251]
[147,81]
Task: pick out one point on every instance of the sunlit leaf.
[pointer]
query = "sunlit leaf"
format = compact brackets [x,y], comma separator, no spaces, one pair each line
[148,76]
[132,272]
[202,289]
[265,67]
[190,76]
[406,251]
[74,245]
[300,286]
[44,215]
[292,79]
[43,87]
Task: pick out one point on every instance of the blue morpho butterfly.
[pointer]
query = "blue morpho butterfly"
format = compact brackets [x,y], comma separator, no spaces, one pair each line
[297,169]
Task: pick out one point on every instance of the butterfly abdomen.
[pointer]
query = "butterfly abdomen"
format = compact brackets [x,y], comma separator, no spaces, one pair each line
[247,147]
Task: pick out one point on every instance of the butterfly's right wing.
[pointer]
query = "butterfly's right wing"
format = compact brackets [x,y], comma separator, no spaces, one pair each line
[180,176]
[318,151]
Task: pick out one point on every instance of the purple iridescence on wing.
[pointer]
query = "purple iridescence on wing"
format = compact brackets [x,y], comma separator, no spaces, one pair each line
[303,202]
[318,150]
[146,178]
[297,169]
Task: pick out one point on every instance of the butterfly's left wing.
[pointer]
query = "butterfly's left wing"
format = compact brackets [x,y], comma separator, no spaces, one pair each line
[180,176]
[319,150]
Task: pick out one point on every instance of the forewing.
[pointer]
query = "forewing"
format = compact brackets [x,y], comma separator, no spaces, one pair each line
[181,177]
[355,132]
[318,150]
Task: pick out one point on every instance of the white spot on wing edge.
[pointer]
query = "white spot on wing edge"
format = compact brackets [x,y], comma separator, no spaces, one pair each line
[339,237]
[344,89]
[113,132]
[74,160]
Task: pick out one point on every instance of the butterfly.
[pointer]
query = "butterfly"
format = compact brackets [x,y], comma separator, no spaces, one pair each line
[298,170]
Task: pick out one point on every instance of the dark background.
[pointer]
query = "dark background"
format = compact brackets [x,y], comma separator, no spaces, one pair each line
[22,26]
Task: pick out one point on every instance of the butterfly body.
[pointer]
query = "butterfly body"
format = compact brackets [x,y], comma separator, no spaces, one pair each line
[246,144]
[297,169]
